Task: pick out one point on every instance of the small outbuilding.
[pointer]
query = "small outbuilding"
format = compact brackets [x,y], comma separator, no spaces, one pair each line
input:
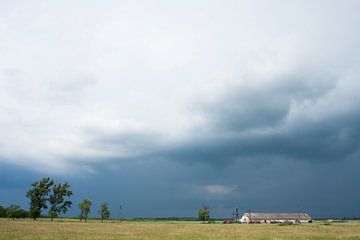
[254,217]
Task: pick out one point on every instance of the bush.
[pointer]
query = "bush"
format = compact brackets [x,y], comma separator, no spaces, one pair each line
[21,213]
[15,211]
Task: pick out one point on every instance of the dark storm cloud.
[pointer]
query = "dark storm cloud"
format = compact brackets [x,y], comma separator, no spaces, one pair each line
[294,118]
[258,122]
[264,105]
[14,177]
[320,142]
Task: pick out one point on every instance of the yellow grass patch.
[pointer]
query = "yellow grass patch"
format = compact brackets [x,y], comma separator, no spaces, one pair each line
[68,229]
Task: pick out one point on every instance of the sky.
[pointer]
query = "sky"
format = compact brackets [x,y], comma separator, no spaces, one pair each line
[164,106]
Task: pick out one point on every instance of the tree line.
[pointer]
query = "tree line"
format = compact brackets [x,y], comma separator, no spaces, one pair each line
[47,194]
[13,211]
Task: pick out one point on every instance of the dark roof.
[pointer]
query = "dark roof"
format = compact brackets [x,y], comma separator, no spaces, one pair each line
[279,216]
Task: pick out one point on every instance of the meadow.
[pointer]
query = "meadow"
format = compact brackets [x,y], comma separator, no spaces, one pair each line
[71,229]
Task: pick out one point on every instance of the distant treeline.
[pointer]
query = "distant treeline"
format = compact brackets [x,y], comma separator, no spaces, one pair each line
[173,219]
[13,211]
[166,219]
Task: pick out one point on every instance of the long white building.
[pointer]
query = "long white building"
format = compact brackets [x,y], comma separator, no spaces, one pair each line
[254,217]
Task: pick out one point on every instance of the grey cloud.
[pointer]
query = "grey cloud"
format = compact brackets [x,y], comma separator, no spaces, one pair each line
[265,105]
[256,123]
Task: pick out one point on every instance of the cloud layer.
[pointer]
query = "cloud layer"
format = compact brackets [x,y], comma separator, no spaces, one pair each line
[241,86]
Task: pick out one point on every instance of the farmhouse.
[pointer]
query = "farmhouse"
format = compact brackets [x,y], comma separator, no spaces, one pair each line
[253,217]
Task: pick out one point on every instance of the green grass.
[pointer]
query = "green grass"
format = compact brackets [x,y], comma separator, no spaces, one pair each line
[70,229]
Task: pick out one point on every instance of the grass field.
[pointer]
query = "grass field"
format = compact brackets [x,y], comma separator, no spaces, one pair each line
[67,229]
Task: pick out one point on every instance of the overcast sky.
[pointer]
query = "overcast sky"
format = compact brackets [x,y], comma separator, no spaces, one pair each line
[163,106]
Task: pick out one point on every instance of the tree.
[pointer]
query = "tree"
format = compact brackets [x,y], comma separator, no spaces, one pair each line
[57,202]
[2,212]
[104,211]
[21,213]
[204,214]
[85,207]
[11,212]
[38,196]
[15,211]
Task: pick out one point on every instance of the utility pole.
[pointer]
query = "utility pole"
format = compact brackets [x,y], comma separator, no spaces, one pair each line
[120,208]
[299,217]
